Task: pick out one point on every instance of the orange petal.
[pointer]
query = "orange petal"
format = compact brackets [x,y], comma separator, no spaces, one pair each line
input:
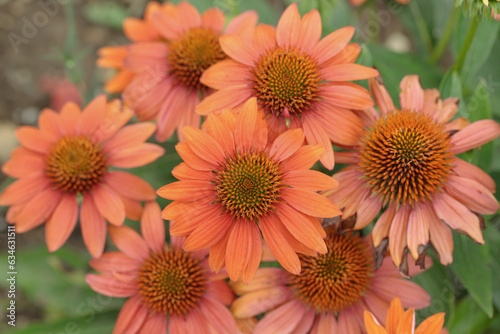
[472,194]
[240,245]
[217,256]
[93,226]
[304,158]
[156,323]
[287,144]
[470,171]
[230,97]
[23,162]
[394,315]
[34,139]
[246,125]
[214,19]
[190,220]
[288,28]
[243,24]
[183,172]
[136,156]
[61,223]
[189,14]
[368,210]
[47,122]
[218,316]
[431,325]
[131,316]
[189,190]
[348,72]
[111,262]
[372,325]
[129,242]
[109,204]
[418,229]
[138,31]
[264,38]
[407,322]
[203,145]
[36,210]
[283,319]
[165,25]
[192,159]
[348,95]
[311,180]
[221,132]
[316,135]
[23,189]
[332,44]
[208,233]
[284,253]
[129,136]
[238,49]
[310,31]
[225,74]
[153,226]
[92,117]
[383,225]
[256,302]
[310,203]
[301,228]
[129,185]
[398,234]
[441,238]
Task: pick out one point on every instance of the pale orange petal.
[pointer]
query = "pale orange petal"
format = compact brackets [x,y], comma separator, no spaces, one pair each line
[472,194]
[367,212]
[310,180]
[381,95]
[288,28]
[458,216]
[154,324]
[242,240]
[34,139]
[217,257]
[418,229]
[109,204]
[165,26]
[153,226]
[136,156]
[332,44]
[412,94]
[68,118]
[189,190]
[111,262]
[129,185]
[131,316]
[475,135]
[129,136]
[441,238]
[129,242]
[470,171]
[225,74]
[192,159]
[35,211]
[304,158]
[138,30]
[348,95]
[316,135]
[24,162]
[398,234]
[256,302]
[246,125]
[23,189]
[213,18]
[205,146]
[383,225]
[310,31]
[238,49]
[264,38]
[218,316]
[110,286]
[283,319]
[348,72]
[410,293]
[243,24]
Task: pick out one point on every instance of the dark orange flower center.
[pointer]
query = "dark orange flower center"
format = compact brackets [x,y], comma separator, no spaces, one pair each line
[193,53]
[75,164]
[333,281]
[248,184]
[405,157]
[286,81]
[171,282]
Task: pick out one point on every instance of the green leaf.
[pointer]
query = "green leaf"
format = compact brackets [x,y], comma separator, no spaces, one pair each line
[478,107]
[107,13]
[472,267]
[481,47]
[438,283]
[468,318]
[56,281]
[451,86]
[492,238]
[97,323]
[394,66]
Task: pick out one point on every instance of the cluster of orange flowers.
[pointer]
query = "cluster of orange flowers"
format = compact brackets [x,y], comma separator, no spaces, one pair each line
[274,99]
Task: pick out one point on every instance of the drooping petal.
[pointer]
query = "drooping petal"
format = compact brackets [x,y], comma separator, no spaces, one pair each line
[109,204]
[381,95]
[110,286]
[23,189]
[418,229]
[310,203]
[208,233]
[475,135]
[412,94]
[61,223]
[36,210]
[398,234]
[282,319]
[244,251]
[316,135]
[111,262]
[218,316]
[131,316]
[93,226]
[472,194]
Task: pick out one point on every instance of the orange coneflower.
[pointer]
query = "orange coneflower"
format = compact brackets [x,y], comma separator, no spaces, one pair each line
[68,158]
[296,78]
[160,71]
[398,322]
[169,290]
[407,160]
[330,294]
[235,184]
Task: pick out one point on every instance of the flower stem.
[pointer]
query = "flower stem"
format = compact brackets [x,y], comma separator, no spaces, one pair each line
[421,25]
[467,43]
[438,51]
